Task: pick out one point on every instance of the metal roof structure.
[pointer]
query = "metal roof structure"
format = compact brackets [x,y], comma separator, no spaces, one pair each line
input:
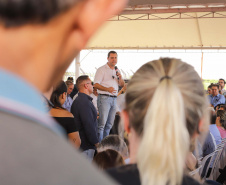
[165,24]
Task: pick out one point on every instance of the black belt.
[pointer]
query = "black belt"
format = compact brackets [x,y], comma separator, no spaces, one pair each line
[108,95]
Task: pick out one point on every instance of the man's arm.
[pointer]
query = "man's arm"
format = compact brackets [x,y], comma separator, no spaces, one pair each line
[102,88]
[121,82]
[88,121]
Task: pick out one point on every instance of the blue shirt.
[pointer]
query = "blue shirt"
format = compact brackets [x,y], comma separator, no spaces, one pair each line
[68,103]
[215,132]
[216,100]
[20,98]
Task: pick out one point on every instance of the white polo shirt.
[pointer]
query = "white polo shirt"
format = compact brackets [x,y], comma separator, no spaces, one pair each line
[106,77]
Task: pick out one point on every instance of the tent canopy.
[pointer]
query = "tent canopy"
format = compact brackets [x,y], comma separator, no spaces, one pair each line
[153,24]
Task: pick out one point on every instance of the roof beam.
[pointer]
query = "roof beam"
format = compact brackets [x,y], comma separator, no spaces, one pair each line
[173,10]
[170,2]
[160,48]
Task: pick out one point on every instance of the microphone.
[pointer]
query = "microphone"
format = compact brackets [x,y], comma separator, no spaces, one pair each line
[116,70]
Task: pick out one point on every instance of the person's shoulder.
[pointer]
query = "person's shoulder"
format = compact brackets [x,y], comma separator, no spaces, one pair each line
[103,67]
[60,113]
[81,101]
[212,126]
[222,96]
[187,180]
[126,174]
[32,131]
[68,114]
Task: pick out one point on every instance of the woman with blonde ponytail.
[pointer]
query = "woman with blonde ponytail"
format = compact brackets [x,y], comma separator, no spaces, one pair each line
[165,108]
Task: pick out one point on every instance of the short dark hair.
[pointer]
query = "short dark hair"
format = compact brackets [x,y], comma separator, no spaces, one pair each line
[222,80]
[223,106]
[80,79]
[213,119]
[218,106]
[210,86]
[70,78]
[215,85]
[17,13]
[114,52]
[108,159]
[60,89]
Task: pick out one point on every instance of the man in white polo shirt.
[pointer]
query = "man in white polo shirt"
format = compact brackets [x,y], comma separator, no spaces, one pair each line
[107,80]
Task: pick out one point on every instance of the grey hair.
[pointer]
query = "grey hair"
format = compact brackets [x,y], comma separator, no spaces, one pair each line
[114,142]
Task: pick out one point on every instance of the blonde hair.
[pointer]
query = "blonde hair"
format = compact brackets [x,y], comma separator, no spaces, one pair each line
[165,101]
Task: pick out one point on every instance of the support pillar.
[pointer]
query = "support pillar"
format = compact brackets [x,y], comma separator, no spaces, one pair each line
[201,65]
[77,66]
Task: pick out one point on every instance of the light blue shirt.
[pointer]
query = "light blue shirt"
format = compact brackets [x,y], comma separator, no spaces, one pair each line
[215,132]
[15,88]
[20,98]
[68,103]
[216,100]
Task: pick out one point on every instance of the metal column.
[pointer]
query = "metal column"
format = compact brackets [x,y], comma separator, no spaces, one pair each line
[77,66]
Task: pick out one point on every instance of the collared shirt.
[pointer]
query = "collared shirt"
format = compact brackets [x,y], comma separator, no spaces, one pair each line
[94,101]
[106,77]
[85,116]
[68,102]
[22,99]
[215,132]
[16,89]
[223,91]
[216,100]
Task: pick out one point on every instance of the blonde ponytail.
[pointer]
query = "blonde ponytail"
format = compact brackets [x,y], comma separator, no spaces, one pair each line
[165,101]
[165,139]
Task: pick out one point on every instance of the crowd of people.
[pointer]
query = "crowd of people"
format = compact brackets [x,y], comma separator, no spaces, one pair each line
[124,157]
[55,132]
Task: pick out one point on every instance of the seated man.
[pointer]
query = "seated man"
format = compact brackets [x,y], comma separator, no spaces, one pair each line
[215,98]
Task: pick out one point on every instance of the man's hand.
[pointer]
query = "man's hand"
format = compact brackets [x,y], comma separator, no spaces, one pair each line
[111,90]
[119,75]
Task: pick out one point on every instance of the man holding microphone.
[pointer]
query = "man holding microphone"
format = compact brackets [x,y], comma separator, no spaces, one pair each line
[107,80]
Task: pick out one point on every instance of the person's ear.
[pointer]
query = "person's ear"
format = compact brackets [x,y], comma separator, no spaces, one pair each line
[200,128]
[90,16]
[217,120]
[64,95]
[86,86]
[125,119]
